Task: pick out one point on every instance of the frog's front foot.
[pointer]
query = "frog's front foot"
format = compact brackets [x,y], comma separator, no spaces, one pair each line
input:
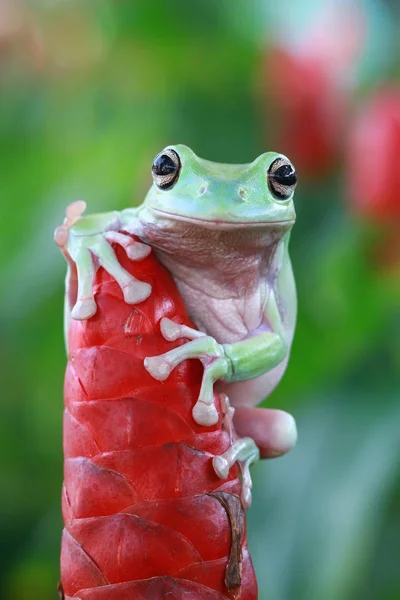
[86,242]
[208,351]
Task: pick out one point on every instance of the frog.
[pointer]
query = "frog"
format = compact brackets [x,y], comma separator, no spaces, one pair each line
[222,231]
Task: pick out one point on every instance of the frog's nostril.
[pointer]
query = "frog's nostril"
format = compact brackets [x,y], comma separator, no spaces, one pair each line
[202,190]
[241,192]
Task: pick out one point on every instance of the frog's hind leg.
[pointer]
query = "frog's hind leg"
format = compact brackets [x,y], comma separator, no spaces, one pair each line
[242,450]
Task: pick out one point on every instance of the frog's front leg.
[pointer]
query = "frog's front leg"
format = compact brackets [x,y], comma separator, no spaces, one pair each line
[230,362]
[216,366]
[87,244]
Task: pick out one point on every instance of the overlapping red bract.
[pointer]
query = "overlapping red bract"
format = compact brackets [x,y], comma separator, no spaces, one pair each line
[139,521]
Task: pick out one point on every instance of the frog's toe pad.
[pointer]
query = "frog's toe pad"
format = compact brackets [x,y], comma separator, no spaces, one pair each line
[61,235]
[136,292]
[138,251]
[221,466]
[170,331]
[158,367]
[84,309]
[205,414]
[74,211]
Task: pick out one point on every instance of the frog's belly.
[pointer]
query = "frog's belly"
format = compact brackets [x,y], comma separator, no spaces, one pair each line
[228,320]
[221,320]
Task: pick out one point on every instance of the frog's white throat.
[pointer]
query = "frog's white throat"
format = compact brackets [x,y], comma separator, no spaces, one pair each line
[220,263]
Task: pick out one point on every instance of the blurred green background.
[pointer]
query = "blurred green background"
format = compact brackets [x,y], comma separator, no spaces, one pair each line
[90,92]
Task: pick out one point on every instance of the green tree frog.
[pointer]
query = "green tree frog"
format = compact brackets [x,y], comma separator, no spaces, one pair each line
[223,233]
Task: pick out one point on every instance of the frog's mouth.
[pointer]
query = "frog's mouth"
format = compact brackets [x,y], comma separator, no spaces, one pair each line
[224,224]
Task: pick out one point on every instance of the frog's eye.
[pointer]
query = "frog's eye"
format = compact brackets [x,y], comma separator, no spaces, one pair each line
[166,168]
[282,178]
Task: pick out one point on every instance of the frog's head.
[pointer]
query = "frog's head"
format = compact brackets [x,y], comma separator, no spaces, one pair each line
[190,189]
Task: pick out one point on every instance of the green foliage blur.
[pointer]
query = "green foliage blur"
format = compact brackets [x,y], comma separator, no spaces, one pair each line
[90,92]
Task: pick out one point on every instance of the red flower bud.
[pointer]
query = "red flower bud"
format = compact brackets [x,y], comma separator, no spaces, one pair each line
[374,157]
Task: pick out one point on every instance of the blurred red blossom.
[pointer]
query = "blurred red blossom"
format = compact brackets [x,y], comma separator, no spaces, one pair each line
[51,42]
[20,36]
[373,166]
[308,86]
[309,108]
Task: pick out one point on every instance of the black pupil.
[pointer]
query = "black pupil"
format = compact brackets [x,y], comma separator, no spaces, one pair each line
[164,165]
[285,175]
